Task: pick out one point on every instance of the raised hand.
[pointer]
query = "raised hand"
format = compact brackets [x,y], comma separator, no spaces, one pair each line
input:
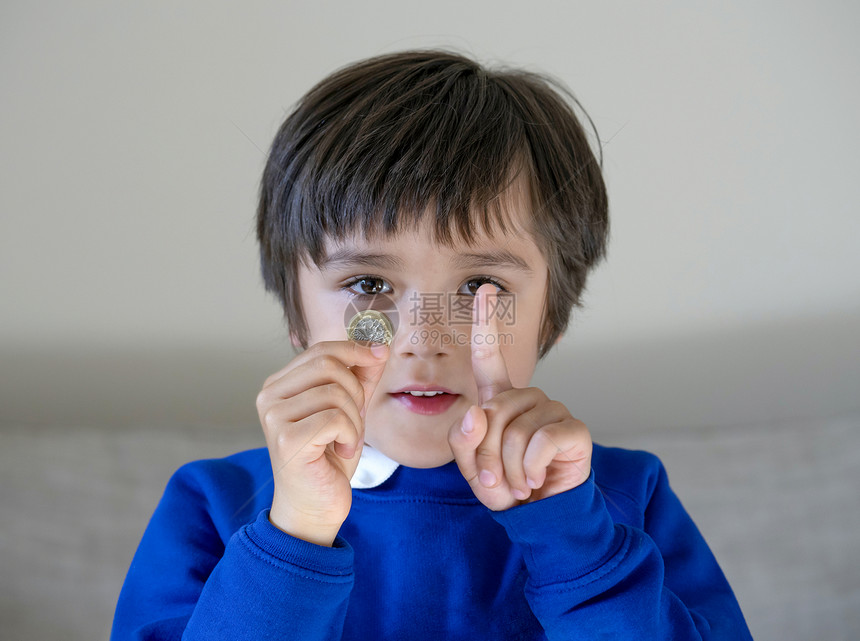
[517,445]
[312,413]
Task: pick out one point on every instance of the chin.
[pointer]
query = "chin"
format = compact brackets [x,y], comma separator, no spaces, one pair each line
[418,456]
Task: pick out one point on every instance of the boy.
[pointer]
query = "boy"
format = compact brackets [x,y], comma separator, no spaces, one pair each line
[421,489]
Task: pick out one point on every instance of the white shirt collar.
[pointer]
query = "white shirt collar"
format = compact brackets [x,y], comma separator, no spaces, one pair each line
[374,468]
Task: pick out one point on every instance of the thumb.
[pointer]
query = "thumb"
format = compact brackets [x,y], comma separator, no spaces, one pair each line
[464,437]
[370,375]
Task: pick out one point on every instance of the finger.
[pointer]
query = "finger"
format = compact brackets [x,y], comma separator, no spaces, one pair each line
[505,406]
[316,373]
[370,375]
[519,433]
[515,440]
[566,443]
[508,434]
[488,455]
[501,412]
[350,353]
[488,364]
[319,399]
[464,439]
[306,441]
[324,368]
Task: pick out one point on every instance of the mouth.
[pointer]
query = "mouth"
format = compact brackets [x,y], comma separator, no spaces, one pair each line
[422,399]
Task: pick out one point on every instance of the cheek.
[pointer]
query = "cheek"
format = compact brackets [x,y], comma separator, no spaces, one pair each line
[521,349]
[521,365]
[324,320]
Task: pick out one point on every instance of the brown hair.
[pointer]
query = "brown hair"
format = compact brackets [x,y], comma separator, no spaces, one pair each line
[378,144]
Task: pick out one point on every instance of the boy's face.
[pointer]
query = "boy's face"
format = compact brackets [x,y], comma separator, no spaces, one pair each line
[430,285]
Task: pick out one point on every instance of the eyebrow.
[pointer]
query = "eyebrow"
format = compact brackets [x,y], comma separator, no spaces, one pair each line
[494,258]
[347,257]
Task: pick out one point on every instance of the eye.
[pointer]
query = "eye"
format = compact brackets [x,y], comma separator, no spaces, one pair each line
[367,286]
[473,284]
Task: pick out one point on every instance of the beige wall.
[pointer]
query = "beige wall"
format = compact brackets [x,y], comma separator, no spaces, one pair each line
[133,135]
[721,333]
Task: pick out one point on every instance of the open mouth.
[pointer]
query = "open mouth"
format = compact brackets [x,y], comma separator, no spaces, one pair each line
[430,402]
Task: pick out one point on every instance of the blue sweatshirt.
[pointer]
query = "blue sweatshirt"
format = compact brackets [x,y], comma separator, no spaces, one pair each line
[419,557]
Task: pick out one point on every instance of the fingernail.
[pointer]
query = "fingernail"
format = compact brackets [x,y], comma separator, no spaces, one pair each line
[531,483]
[379,350]
[468,423]
[519,495]
[487,478]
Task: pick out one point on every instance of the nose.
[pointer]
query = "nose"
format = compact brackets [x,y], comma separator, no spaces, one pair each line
[426,327]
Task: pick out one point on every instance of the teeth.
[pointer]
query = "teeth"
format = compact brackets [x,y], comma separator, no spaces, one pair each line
[424,393]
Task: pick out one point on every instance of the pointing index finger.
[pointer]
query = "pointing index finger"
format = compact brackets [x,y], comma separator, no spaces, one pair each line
[488,364]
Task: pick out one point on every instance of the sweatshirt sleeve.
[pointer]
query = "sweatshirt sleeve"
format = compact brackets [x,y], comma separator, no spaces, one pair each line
[590,577]
[185,583]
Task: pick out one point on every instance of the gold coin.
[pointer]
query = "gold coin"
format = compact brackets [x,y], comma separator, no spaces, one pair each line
[370,325]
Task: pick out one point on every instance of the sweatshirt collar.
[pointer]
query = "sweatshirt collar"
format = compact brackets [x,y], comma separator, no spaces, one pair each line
[375,469]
